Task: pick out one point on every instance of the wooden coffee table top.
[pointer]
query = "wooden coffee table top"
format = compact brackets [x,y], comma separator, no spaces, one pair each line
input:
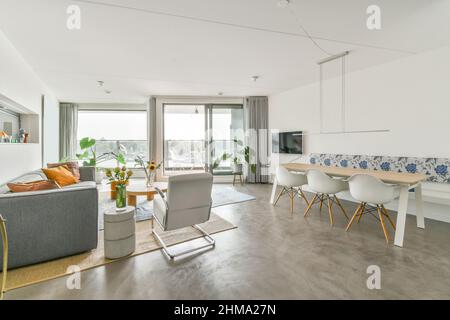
[143,190]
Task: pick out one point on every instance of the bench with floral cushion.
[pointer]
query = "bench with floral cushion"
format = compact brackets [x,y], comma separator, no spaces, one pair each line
[437,169]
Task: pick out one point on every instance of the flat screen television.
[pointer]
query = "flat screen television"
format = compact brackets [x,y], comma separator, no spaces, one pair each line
[287,142]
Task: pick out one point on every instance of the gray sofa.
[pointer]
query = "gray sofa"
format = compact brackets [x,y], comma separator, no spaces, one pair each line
[50,224]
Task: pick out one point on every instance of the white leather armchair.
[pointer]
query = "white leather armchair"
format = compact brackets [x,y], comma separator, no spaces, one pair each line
[186,203]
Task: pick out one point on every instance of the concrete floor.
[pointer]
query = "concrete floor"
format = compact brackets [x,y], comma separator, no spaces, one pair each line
[273,255]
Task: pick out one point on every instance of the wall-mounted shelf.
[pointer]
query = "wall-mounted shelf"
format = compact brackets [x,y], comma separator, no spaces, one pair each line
[14,117]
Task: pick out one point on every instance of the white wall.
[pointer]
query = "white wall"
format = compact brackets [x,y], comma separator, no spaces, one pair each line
[409,96]
[19,83]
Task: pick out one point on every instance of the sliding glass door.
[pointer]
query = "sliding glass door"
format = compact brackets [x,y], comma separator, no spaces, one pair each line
[226,133]
[199,138]
[184,138]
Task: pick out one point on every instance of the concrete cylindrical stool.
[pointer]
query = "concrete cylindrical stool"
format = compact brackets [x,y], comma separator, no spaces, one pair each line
[119,233]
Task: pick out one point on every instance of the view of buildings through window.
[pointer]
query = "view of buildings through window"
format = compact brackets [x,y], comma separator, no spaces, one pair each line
[112,129]
[197,135]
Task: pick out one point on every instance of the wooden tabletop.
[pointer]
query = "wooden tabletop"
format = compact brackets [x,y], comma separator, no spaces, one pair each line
[386,176]
[143,190]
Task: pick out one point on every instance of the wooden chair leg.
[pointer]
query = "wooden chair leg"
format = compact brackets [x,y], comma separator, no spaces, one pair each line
[340,206]
[321,202]
[362,212]
[386,213]
[241,179]
[354,216]
[380,214]
[330,211]
[279,196]
[292,195]
[302,194]
[310,205]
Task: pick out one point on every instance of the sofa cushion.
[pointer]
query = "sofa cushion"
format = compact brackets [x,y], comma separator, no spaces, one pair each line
[72,165]
[61,175]
[36,175]
[33,186]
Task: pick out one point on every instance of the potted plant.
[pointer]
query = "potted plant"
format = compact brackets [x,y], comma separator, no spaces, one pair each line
[90,159]
[120,177]
[149,167]
[241,154]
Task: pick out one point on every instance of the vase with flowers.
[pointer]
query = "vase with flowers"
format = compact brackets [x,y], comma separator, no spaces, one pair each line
[120,177]
[150,168]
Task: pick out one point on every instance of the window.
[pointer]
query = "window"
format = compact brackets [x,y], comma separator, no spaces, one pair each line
[187,128]
[113,129]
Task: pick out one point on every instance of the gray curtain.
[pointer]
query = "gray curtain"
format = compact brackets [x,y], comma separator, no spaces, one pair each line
[152,128]
[257,125]
[68,123]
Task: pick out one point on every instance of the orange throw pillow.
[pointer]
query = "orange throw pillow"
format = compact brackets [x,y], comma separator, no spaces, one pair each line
[73,167]
[61,175]
[33,186]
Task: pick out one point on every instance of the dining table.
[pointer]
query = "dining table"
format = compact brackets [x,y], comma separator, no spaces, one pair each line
[406,182]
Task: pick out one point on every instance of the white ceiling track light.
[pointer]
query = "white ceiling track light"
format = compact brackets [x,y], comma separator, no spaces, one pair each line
[321,62]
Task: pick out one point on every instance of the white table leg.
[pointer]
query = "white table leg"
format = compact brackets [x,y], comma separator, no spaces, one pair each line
[419,207]
[401,216]
[274,190]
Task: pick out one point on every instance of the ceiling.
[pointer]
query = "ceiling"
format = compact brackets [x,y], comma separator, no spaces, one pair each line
[202,47]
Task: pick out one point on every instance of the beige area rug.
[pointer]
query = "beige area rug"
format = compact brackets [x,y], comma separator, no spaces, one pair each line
[145,242]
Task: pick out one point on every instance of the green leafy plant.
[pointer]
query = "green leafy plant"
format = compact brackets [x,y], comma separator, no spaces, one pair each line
[89,155]
[243,153]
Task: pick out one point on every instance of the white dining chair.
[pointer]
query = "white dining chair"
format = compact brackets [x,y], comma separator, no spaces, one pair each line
[326,189]
[291,185]
[373,194]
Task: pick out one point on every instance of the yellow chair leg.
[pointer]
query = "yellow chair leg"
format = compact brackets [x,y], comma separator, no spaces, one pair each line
[5,255]
[330,211]
[354,216]
[279,196]
[310,205]
[388,216]
[362,212]
[340,206]
[380,214]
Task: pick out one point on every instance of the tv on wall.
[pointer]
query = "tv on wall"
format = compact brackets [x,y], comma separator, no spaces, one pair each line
[287,142]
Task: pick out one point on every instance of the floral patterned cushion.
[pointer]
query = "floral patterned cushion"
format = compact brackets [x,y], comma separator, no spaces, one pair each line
[437,169]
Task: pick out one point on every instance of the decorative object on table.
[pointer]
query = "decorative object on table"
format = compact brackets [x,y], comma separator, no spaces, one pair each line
[242,153]
[119,233]
[113,192]
[150,168]
[120,176]
[5,255]
[22,135]
[90,159]
[4,137]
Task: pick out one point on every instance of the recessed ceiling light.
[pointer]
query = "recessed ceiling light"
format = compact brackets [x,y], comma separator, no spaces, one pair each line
[107,91]
[220,93]
[283,3]
[254,78]
[100,83]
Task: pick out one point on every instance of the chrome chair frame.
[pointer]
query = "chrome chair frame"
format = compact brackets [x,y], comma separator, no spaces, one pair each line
[210,241]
